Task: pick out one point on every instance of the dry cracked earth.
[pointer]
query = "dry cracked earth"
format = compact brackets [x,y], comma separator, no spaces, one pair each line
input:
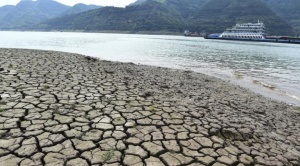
[68,109]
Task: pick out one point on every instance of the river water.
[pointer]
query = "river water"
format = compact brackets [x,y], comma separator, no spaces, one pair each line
[271,69]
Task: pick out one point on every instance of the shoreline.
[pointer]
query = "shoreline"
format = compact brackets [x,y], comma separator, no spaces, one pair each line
[268,90]
[277,91]
[65,108]
[106,31]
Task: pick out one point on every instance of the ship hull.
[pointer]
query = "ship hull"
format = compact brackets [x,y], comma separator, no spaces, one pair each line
[289,41]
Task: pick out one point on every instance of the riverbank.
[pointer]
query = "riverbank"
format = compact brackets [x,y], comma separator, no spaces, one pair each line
[61,108]
[167,33]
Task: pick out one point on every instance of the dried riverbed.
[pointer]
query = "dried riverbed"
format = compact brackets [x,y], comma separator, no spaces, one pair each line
[67,109]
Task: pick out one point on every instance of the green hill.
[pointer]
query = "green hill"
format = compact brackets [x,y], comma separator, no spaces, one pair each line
[151,16]
[288,10]
[173,15]
[4,10]
[154,15]
[78,8]
[29,12]
[184,7]
[217,15]
[138,2]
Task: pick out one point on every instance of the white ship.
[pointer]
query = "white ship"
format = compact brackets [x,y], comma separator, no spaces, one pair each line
[251,32]
[245,31]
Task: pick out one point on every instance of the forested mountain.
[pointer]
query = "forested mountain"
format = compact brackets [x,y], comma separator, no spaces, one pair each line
[138,2]
[78,8]
[217,15]
[151,16]
[183,7]
[288,10]
[5,10]
[174,15]
[28,12]
[280,16]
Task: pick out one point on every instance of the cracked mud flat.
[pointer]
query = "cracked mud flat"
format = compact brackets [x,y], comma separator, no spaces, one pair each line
[67,109]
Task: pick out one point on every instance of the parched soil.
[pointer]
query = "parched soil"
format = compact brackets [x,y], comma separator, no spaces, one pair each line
[68,109]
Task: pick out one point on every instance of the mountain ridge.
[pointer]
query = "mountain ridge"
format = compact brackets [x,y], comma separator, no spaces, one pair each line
[148,17]
[216,16]
[154,15]
[78,8]
[5,9]
[28,12]
[288,10]
[31,12]
[173,15]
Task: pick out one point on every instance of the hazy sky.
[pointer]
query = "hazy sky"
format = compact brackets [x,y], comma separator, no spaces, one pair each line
[120,3]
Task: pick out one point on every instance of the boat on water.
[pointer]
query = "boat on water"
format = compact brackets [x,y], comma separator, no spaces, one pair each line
[193,34]
[251,32]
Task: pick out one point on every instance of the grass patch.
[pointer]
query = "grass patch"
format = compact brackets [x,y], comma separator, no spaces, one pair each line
[108,155]
[247,158]
[119,119]
[153,109]
[298,109]
[55,110]
[134,126]
[46,87]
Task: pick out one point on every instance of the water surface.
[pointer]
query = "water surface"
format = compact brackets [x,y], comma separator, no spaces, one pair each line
[272,69]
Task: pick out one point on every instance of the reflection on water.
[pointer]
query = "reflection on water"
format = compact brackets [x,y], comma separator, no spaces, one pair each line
[273,64]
